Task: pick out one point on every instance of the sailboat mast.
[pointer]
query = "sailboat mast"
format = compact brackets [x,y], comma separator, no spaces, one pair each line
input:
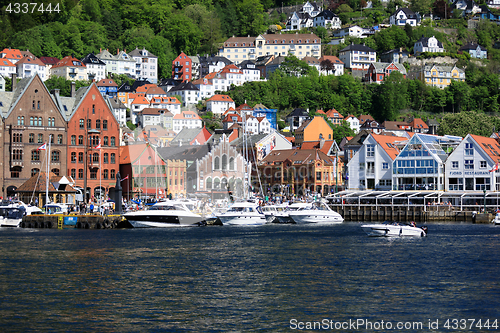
[47,175]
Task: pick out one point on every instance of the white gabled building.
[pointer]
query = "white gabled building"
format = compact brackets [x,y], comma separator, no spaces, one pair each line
[328,20]
[404,16]
[264,125]
[218,104]
[171,104]
[357,57]
[186,119]
[371,167]
[29,67]
[188,92]
[353,123]
[427,44]
[471,166]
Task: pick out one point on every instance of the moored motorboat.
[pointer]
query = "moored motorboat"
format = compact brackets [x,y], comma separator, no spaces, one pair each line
[277,214]
[315,212]
[243,213]
[496,220]
[164,214]
[394,229]
[11,216]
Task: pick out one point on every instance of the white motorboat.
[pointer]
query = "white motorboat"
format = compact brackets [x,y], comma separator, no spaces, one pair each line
[277,214]
[496,220]
[11,216]
[316,212]
[164,214]
[243,213]
[394,229]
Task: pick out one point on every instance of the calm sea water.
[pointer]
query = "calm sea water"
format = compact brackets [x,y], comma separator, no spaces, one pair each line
[245,279]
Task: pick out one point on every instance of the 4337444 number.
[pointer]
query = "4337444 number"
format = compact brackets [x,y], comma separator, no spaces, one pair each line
[469,324]
[31,7]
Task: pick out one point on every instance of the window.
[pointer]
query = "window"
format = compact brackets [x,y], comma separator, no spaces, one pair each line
[113,158]
[105,174]
[55,156]
[80,140]
[31,138]
[51,137]
[454,164]
[35,155]
[112,141]
[40,138]
[106,158]
[80,173]
[224,162]
[385,166]
[93,173]
[73,173]
[82,123]
[216,163]
[55,171]
[98,124]
[469,164]
[112,174]
[73,139]
[73,157]
[104,124]
[469,149]
[105,141]
[93,109]
[482,164]
[40,121]
[95,157]
[31,121]
[231,163]
[59,139]
[34,171]
[89,123]
[80,157]
[370,150]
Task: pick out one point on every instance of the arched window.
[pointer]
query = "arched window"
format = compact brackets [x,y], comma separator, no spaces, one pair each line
[80,157]
[73,157]
[216,163]
[40,121]
[224,162]
[82,123]
[89,123]
[22,120]
[31,121]
[55,171]
[73,173]
[73,139]
[95,157]
[98,123]
[19,120]
[80,140]
[80,173]
[59,139]
[55,156]
[209,183]
[224,184]
[34,171]
[106,141]
[217,183]
[35,155]
[112,141]
[40,138]
[112,174]
[105,158]
[112,158]
[31,138]
[105,174]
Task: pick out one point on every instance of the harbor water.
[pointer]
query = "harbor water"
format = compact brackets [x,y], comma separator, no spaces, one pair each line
[273,278]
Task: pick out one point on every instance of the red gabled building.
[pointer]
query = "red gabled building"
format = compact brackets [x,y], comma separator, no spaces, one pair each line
[182,68]
[91,124]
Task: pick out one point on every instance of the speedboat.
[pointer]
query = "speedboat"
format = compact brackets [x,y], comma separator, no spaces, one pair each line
[11,216]
[164,214]
[243,213]
[394,229]
[496,220]
[315,212]
[277,214]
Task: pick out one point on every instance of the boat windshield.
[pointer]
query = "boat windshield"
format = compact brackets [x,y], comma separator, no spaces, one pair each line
[167,207]
[15,213]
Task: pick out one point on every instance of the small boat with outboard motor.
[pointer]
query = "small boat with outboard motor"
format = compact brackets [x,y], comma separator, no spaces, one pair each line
[394,229]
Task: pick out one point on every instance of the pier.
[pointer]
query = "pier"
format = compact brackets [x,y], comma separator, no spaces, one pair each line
[73,221]
[418,206]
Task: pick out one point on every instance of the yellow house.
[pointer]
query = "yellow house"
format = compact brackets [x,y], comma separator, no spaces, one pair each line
[441,76]
[313,130]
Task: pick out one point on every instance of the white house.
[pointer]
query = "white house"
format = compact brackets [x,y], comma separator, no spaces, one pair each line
[2,83]
[353,123]
[371,167]
[328,20]
[427,44]
[251,124]
[218,104]
[29,67]
[353,31]
[7,68]
[146,65]
[357,57]
[264,125]
[250,71]
[337,66]
[96,69]
[136,106]
[188,92]
[472,166]
[186,119]
[404,16]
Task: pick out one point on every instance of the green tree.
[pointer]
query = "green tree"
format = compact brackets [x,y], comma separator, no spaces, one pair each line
[292,65]
[467,122]
[390,97]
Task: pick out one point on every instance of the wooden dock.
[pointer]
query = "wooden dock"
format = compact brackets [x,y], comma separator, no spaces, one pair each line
[73,221]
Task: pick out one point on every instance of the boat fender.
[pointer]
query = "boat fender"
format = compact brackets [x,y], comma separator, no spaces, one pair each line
[41,225]
[106,223]
[49,225]
[78,225]
[35,225]
[23,225]
[86,225]
[98,225]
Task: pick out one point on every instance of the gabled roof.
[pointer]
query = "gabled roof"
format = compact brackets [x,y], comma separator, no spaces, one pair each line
[186,135]
[140,100]
[156,91]
[410,14]
[37,183]
[489,145]
[332,113]
[388,144]
[364,117]
[425,41]
[328,15]
[333,59]
[298,112]
[9,53]
[93,60]
[229,118]
[31,61]
[4,62]
[107,83]
[418,123]
[303,156]
[357,47]
[152,111]
[327,145]
[184,86]
[49,60]
[145,87]
[472,46]
[311,60]
[141,53]
[69,61]
[183,114]
[220,98]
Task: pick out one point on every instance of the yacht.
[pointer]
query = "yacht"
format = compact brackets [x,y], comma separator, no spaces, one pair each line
[496,220]
[11,216]
[277,214]
[315,212]
[164,214]
[243,213]
[394,229]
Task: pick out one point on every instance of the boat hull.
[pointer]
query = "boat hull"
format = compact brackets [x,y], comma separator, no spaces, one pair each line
[316,217]
[148,220]
[242,220]
[384,230]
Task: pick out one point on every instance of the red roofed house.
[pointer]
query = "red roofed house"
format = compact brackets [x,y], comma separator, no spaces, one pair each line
[331,65]
[186,119]
[13,55]
[138,104]
[202,137]
[70,68]
[371,167]
[217,104]
[182,68]
[353,123]
[7,68]
[419,126]
[172,104]
[155,92]
[231,119]
[49,62]
[335,117]
[30,66]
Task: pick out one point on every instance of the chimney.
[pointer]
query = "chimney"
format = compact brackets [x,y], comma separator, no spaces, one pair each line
[73,89]
[118,51]
[14,81]
[321,142]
